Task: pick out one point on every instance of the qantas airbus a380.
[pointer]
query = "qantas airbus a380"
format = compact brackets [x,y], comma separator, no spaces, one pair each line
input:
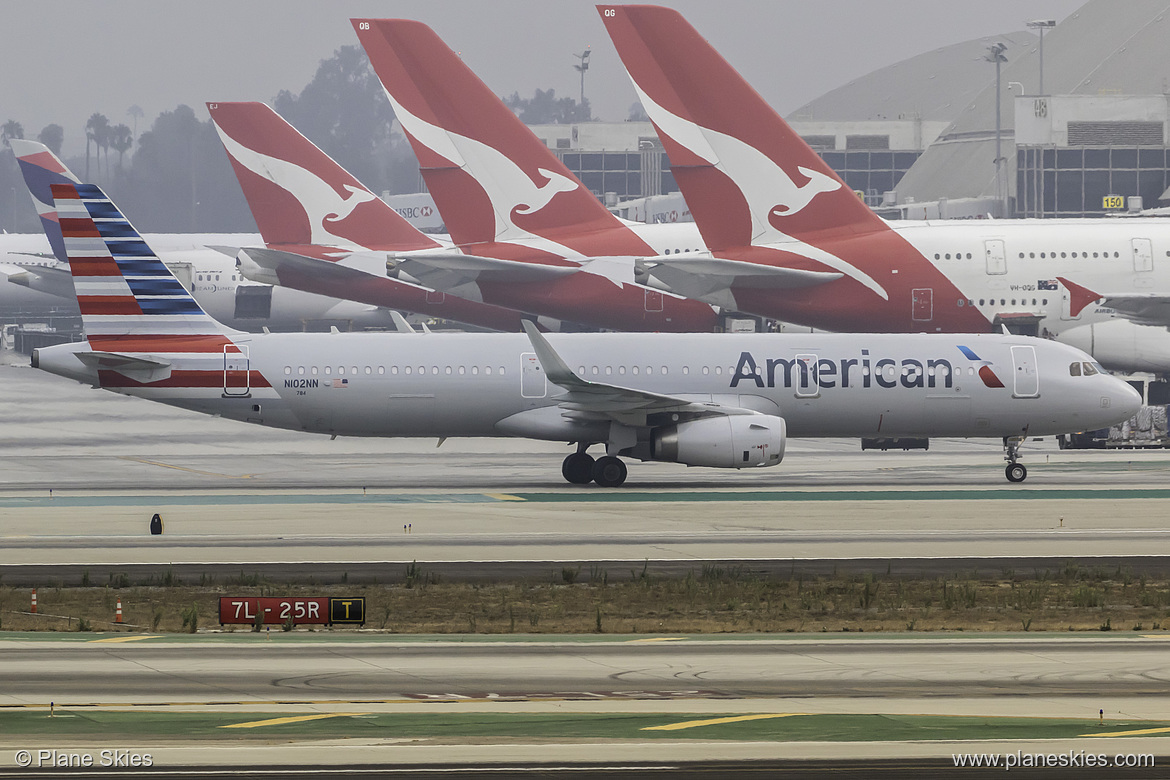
[763,199]
[719,400]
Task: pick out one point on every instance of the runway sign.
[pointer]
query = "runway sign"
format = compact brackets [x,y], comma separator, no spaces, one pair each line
[320,611]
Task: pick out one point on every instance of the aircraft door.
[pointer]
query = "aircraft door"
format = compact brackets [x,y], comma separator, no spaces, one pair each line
[533,382]
[653,300]
[1027,381]
[806,376]
[236,371]
[1066,305]
[922,304]
[996,255]
[1143,254]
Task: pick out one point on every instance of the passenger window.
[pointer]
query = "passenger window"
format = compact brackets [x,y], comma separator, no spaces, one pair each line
[622,370]
[435,370]
[288,370]
[501,370]
[313,371]
[462,370]
[407,370]
[301,370]
[475,370]
[393,369]
[633,370]
[706,370]
[609,370]
[1074,369]
[487,370]
[353,370]
[664,369]
[447,370]
[686,370]
[328,370]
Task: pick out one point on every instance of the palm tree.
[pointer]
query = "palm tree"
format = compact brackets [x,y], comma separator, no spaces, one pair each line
[121,139]
[96,129]
[11,129]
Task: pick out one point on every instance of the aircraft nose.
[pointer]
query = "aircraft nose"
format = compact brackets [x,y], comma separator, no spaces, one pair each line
[1127,399]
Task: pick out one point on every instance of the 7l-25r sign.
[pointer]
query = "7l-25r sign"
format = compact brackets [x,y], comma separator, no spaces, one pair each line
[320,611]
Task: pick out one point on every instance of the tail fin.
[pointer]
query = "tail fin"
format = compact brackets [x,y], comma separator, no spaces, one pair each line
[42,169]
[124,291]
[297,193]
[746,176]
[492,179]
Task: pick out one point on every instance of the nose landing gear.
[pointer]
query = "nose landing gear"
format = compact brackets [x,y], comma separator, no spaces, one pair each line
[1015,471]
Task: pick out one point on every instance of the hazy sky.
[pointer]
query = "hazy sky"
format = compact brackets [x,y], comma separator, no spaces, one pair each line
[62,60]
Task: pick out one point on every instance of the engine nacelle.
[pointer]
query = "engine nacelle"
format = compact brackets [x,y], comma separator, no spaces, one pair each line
[735,442]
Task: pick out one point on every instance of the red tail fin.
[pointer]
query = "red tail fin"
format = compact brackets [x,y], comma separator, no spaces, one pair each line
[492,179]
[746,176]
[297,193]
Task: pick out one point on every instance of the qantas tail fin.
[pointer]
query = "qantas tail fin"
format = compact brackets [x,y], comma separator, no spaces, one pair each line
[492,179]
[42,169]
[124,291]
[297,193]
[746,176]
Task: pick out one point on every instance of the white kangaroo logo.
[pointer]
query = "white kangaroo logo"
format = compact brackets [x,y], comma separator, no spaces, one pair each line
[767,188]
[507,186]
[802,196]
[322,205]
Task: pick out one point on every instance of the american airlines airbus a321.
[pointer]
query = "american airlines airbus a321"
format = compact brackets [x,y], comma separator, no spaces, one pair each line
[719,400]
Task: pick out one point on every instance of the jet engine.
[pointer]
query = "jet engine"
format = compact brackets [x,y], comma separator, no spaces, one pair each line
[732,442]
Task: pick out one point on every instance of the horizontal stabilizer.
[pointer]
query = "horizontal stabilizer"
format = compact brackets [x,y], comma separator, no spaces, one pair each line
[702,276]
[51,279]
[136,367]
[268,263]
[587,400]
[449,270]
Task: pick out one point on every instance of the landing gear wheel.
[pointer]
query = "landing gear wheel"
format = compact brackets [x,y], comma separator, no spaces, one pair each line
[609,471]
[578,468]
[1016,472]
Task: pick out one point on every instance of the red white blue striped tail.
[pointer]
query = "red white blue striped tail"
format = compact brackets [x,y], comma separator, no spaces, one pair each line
[125,292]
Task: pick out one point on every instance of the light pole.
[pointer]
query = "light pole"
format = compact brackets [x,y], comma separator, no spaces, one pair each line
[1041,25]
[584,66]
[995,54]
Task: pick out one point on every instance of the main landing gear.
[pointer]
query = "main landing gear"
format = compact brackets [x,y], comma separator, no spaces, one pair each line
[580,468]
[1015,471]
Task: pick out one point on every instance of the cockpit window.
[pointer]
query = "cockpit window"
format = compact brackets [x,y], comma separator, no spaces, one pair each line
[1100,368]
[1089,370]
[1074,369]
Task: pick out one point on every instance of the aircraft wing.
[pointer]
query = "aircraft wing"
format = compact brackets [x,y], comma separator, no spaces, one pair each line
[586,400]
[448,270]
[699,276]
[52,279]
[1143,308]
[136,367]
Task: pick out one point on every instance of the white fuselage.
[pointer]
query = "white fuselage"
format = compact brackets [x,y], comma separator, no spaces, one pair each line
[352,384]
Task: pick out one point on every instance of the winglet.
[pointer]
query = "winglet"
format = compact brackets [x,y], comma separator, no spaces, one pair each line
[400,323]
[1079,297]
[557,371]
